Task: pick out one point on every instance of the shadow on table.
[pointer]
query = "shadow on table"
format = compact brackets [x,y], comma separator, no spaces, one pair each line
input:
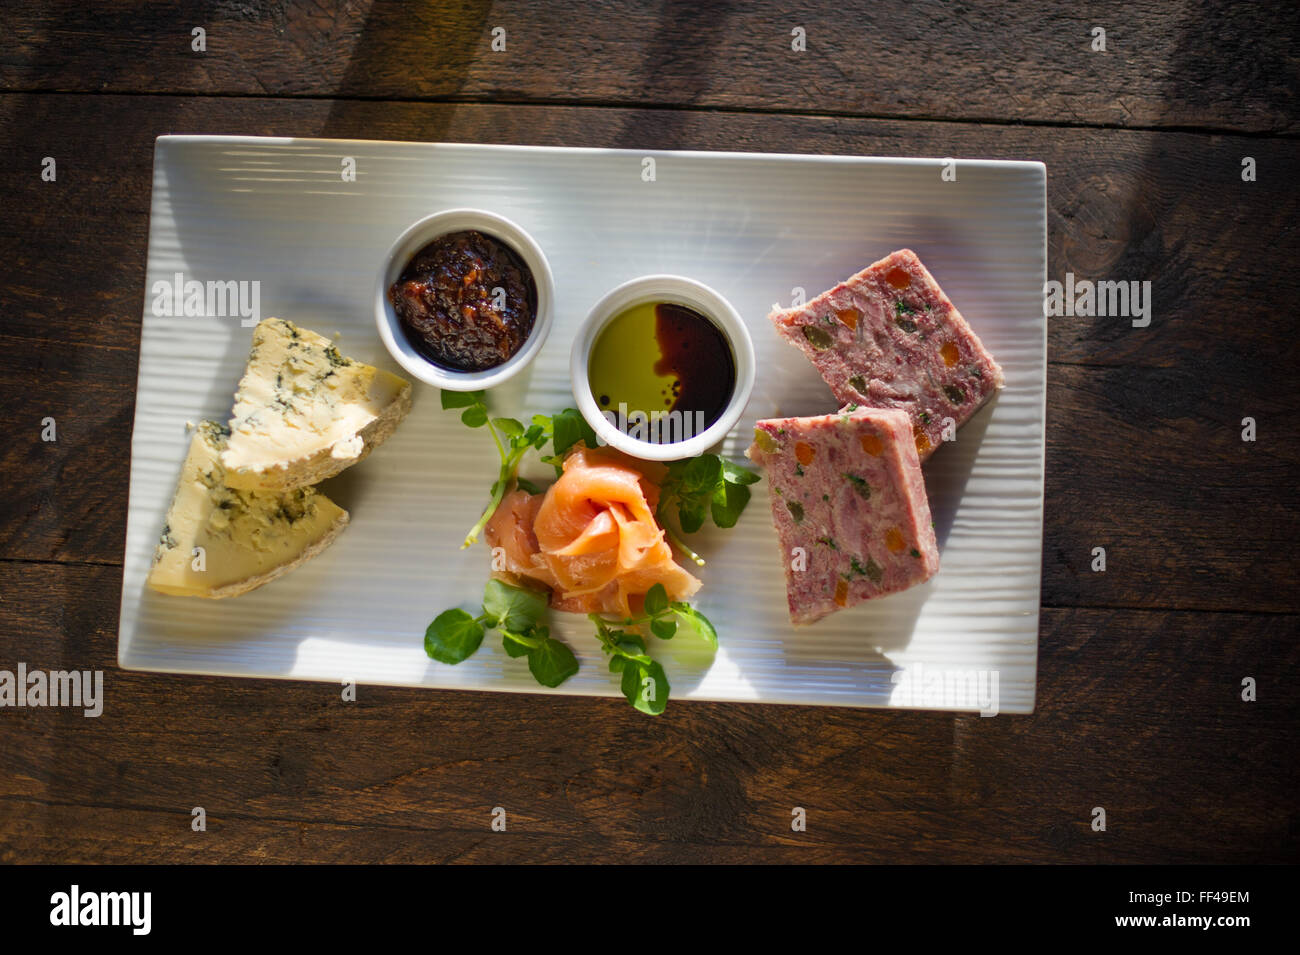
[687,34]
[405,53]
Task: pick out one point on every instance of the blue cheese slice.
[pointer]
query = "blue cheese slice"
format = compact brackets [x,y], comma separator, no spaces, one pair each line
[303,412]
[221,542]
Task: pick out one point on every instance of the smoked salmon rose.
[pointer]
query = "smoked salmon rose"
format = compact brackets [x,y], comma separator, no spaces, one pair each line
[592,537]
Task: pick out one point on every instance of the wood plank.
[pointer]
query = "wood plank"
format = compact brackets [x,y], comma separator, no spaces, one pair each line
[1165,64]
[1169,208]
[1139,712]
[66,497]
[1189,515]
[1144,449]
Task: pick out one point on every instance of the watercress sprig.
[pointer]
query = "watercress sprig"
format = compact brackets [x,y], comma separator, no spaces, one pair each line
[517,614]
[703,486]
[663,616]
[513,441]
[644,682]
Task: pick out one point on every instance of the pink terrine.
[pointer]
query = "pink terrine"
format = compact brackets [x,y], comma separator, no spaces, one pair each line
[889,338]
[849,505]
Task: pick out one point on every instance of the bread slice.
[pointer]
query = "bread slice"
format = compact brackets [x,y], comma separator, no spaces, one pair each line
[303,412]
[247,538]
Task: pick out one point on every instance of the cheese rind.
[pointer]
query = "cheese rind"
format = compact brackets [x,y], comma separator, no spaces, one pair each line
[248,538]
[303,412]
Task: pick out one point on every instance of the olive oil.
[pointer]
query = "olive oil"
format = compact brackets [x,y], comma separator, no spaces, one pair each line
[661,372]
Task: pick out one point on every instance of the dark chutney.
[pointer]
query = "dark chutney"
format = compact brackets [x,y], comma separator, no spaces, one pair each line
[448,304]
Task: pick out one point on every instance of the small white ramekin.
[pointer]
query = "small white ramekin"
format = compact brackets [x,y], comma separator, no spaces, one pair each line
[416,237]
[674,290]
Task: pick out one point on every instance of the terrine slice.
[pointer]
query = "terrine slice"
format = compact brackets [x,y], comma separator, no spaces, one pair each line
[849,505]
[890,338]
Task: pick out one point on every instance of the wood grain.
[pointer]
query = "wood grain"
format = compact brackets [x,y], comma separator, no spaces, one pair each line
[1145,456]
[1217,65]
[1169,208]
[1133,716]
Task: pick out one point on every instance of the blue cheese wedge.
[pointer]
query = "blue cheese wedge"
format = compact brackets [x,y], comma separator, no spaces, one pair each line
[303,412]
[220,542]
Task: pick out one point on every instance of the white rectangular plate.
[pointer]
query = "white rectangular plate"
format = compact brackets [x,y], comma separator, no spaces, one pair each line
[752,226]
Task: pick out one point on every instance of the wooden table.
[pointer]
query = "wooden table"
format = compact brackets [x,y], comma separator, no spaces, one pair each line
[1140,707]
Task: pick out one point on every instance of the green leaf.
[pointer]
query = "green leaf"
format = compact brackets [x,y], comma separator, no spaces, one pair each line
[508,426]
[528,486]
[707,486]
[701,474]
[646,687]
[512,608]
[564,432]
[512,646]
[631,683]
[568,427]
[629,644]
[453,636]
[690,516]
[656,600]
[728,503]
[736,474]
[534,437]
[475,416]
[552,663]
[460,399]
[663,628]
[617,663]
[696,621]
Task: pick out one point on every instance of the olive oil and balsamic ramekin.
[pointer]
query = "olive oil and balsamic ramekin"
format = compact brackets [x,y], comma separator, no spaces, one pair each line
[662,367]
